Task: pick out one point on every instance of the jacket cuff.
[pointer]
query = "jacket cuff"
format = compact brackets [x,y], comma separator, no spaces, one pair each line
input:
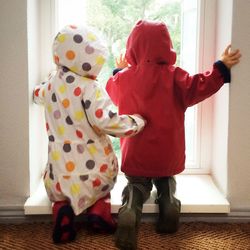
[116,70]
[226,73]
[140,122]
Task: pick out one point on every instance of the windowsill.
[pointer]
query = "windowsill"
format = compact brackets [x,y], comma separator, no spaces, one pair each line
[198,194]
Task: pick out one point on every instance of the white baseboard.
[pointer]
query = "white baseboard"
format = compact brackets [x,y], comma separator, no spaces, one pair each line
[11,216]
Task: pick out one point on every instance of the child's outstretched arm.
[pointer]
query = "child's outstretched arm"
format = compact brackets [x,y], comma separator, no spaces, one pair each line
[194,89]
[102,117]
[111,87]
[230,57]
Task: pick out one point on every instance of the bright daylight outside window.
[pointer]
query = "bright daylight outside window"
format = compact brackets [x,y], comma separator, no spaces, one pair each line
[115,19]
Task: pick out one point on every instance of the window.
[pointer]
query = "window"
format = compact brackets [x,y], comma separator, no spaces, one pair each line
[198,17]
[115,19]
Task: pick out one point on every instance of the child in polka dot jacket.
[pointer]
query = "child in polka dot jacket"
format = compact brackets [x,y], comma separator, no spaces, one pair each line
[82,167]
[152,86]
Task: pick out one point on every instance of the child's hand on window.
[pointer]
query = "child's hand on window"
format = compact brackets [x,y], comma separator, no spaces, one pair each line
[230,57]
[121,63]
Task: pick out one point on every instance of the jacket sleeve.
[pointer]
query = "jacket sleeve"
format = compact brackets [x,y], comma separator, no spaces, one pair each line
[112,88]
[104,119]
[40,90]
[39,93]
[194,89]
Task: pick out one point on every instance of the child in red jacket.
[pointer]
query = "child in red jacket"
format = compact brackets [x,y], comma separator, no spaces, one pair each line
[159,91]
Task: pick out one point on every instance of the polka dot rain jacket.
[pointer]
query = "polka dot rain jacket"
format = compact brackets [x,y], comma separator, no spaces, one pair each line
[82,166]
[153,87]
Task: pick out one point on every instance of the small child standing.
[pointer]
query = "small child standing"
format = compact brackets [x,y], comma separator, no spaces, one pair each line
[82,167]
[153,87]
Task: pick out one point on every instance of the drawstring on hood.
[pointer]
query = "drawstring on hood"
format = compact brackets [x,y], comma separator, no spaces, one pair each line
[145,36]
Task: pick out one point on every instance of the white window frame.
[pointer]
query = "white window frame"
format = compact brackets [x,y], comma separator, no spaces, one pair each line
[196,183]
[205,59]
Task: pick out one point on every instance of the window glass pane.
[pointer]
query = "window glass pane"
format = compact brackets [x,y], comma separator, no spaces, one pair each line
[191,136]
[115,19]
[188,55]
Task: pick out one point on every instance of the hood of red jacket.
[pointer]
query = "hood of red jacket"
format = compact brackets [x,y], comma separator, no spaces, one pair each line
[150,42]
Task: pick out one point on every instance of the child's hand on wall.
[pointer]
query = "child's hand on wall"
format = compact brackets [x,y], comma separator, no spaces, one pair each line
[121,63]
[230,57]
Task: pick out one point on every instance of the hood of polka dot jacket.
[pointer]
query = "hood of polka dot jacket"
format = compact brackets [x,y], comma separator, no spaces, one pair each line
[154,88]
[68,51]
[82,166]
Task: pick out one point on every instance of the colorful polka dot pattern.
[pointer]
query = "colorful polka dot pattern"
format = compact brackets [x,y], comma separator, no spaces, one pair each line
[81,167]
[80,50]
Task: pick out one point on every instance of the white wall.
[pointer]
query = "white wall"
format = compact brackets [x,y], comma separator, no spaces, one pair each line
[15,99]
[14,126]
[239,112]
[221,99]
[36,113]
[231,113]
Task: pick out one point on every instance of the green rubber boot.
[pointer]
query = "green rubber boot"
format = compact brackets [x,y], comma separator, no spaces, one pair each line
[169,206]
[129,218]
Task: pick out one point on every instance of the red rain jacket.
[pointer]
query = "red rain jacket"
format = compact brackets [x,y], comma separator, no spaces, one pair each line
[161,93]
